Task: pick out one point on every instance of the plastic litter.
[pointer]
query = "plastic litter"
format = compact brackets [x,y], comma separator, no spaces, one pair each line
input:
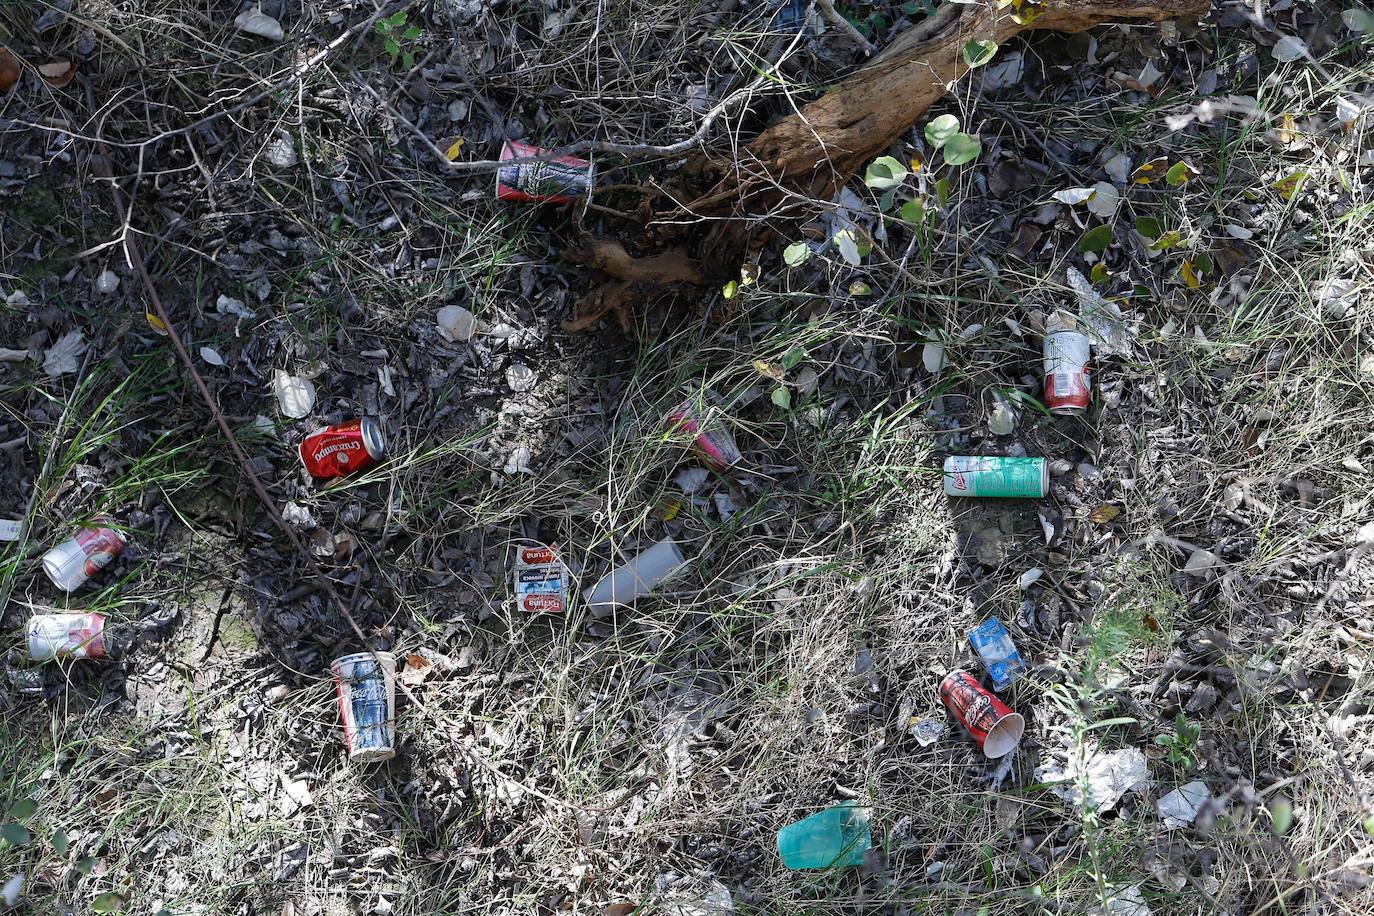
[834,838]
[1180,807]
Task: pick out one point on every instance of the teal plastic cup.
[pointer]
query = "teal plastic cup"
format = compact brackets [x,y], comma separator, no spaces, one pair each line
[834,838]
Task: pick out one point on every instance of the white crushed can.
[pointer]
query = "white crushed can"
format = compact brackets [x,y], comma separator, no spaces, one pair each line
[86,553]
[53,636]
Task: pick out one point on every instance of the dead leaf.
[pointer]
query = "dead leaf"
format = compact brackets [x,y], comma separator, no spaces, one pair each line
[1151,171]
[619,909]
[1027,237]
[667,509]
[455,149]
[1189,273]
[58,73]
[1290,185]
[1287,130]
[416,670]
[1103,514]
[9,69]
[768,370]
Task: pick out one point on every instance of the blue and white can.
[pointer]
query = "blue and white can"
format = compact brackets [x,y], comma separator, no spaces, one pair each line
[366,683]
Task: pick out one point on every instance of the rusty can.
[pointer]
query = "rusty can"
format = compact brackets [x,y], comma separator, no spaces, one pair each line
[84,554]
[1068,390]
[559,180]
[711,440]
[342,449]
[990,722]
[66,636]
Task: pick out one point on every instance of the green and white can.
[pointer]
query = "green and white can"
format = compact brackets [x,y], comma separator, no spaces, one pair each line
[1014,478]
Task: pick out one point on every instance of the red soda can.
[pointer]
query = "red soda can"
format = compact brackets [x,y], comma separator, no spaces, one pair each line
[343,449]
[84,554]
[1068,390]
[712,441]
[66,636]
[989,721]
[560,180]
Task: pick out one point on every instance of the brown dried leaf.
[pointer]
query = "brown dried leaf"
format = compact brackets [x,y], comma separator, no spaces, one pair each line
[58,73]
[1103,514]
[416,670]
[1027,237]
[9,69]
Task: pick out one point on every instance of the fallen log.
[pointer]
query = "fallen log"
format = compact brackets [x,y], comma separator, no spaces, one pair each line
[809,154]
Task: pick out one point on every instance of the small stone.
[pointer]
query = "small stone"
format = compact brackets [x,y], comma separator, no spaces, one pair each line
[107,282]
[455,323]
[228,305]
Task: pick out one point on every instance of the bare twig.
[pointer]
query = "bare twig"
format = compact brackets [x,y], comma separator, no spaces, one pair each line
[832,16]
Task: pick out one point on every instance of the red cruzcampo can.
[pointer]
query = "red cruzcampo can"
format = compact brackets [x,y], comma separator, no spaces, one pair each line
[343,449]
[86,553]
[989,721]
[66,636]
[560,180]
[712,441]
[1068,390]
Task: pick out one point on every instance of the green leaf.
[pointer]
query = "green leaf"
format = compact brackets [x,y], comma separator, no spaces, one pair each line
[782,397]
[942,191]
[1203,262]
[108,902]
[1368,822]
[408,59]
[795,254]
[1096,239]
[847,243]
[939,131]
[87,865]
[962,148]
[60,842]
[1166,241]
[22,810]
[397,19]
[1179,173]
[793,356]
[885,172]
[393,49]
[885,202]
[860,288]
[1108,723]
[14,834]
[1358,19]
[1149,227]
[913,211]
[977,53]
[729,290]
[412,33]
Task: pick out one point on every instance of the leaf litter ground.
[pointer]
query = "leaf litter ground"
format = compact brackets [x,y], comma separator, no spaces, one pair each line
[1203,597]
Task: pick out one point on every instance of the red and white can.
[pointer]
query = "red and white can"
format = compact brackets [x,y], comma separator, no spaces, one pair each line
[989,721]
[1068,390]
[559,180]
[66,636]
[86,553]
[711,440]
[343,449]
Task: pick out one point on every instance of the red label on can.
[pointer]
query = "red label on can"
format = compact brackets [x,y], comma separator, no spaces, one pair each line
[560,180]
[336,451]
[100,545]
[537,555]
[1067,386]
[713,442]
[972,704]
[542,604]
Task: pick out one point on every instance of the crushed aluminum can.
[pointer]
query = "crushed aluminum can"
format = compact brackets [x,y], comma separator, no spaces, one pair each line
[53,636]
[541,581]
[84,554]
[367,704]
[343,449]
[994,646]
[1068,389]
[992,476]
[560,180]
[711,441]
[927,731]
[990,722]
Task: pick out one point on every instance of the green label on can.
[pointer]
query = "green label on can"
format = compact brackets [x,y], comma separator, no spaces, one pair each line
[971,475]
